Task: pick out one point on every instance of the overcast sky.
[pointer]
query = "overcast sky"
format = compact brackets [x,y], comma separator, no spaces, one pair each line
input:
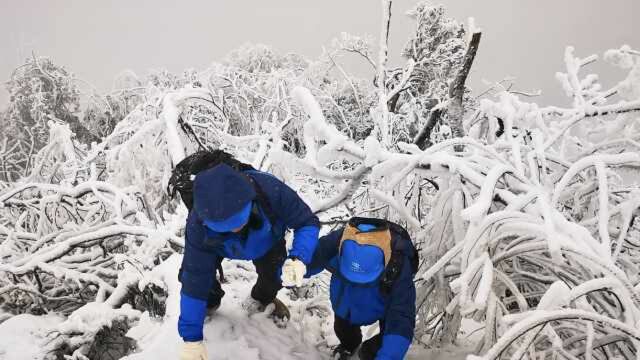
[98,39]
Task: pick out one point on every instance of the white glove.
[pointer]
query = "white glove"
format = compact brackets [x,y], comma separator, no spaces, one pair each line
[193,350]
[293,271]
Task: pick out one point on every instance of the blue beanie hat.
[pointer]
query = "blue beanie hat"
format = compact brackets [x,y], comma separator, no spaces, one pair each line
[231,223]
[222,197]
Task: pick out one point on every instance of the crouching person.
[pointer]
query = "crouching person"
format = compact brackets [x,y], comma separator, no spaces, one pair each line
[372,262]
[240,215]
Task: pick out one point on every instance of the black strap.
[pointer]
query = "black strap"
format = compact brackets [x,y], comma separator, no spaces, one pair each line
[380,224]
[261,198]
[220,270]
[391,272]
[402,249]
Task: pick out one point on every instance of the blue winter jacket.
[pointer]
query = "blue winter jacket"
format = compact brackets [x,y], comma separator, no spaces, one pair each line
[204,247]
[364,304]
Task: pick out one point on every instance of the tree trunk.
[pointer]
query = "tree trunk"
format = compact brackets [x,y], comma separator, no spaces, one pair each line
[456,90]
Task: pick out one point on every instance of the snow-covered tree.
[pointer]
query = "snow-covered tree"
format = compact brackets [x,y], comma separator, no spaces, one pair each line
[524,215]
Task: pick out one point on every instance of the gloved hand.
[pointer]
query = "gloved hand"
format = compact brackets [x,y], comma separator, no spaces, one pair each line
[193,350]
[293,271]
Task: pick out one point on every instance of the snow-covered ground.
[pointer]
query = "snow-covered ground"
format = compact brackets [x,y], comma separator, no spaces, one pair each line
[22,337]
[230,333]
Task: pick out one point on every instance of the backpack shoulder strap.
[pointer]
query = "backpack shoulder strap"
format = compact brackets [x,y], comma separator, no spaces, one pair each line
[402,249]
[403,244]
[399,230]
[261,196]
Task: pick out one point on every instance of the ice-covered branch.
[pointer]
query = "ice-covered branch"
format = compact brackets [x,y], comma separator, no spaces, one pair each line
[382,118]
[170,114]
[630,159]
[541,318]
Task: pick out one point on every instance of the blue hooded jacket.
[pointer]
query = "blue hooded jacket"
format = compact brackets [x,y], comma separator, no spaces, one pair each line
[364,304]
[204,247]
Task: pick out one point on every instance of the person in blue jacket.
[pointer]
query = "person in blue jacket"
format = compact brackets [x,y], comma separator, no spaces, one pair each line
[240,215]
[372,281]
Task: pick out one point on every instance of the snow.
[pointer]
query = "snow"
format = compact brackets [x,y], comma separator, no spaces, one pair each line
[626,58]
[603,207]
[171,113]
[479,209]
[539,317]
[22,337]
[449,352]
[381,114]
[486,282]
[231,334]
[472,28]
[557,296]
[610,160]
[318,127]
[93,316]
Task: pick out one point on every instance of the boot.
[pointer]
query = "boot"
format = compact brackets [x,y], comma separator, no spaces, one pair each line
[214,298]
[369,348]
[212,308]
[341,353]
[280,314]
[364,354]
[252,306]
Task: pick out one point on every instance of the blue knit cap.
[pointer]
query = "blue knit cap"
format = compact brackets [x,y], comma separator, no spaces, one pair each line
[222,197]
[231,223]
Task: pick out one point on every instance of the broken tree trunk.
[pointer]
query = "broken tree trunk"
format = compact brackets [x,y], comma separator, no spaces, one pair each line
[454,107]
[423,139]
[456,89]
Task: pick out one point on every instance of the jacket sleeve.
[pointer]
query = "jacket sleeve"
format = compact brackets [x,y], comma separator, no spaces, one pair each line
[198,263]
[294,213]
[400,317]
[196,275]
[326,250]
[191,320]
[305,241]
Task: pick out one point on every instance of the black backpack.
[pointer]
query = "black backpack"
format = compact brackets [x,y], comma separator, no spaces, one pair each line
[181,180]
[181,177]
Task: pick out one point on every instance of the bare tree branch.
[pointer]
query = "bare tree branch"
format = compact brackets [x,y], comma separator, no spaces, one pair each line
[423,138]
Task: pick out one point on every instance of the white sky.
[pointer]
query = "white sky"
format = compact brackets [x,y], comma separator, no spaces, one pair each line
[98,39]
